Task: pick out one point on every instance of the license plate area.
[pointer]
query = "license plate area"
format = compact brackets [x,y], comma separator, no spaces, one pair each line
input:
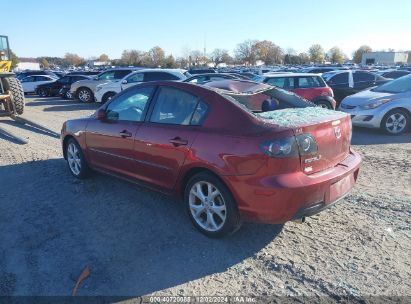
[340,188]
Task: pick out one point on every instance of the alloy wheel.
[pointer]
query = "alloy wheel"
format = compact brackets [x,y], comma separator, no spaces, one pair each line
[207,206]
[84,95]
[73,158]
[396,123]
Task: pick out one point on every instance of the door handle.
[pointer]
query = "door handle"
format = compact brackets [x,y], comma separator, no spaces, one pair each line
[125,134]
[177,141]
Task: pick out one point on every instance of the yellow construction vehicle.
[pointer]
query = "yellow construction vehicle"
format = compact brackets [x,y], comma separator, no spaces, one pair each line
[12,95]
[11,91]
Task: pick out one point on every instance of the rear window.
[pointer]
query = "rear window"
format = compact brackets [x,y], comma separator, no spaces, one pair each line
[276,98]
[121,73]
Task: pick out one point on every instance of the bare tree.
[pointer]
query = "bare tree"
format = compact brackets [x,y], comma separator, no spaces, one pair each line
[156,56]
[316,53]
[220,56]
[336,55]
[74,59]
[103,58]
[245,52]
[357,55]
[268,52]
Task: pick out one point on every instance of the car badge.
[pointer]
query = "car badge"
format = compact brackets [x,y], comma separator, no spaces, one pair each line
[337,132]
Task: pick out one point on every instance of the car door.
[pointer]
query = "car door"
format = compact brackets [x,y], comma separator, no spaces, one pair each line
[163,142]
[363,80]
[110,141]
[28,84]
[340,83]
[58,84]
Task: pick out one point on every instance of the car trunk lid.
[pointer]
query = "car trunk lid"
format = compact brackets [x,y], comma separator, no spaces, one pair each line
[330,129]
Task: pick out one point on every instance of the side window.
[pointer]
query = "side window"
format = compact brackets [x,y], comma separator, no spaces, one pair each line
[42,78]
[121,74]
[138,77]
[174,106]
[309,82]
[341,78]
[154,76]
[106,76]
[363,77]
[129,106]
[277,81]
[199,114]
[28,79]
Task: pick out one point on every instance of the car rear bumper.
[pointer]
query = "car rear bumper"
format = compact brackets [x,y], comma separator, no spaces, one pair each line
[278,199]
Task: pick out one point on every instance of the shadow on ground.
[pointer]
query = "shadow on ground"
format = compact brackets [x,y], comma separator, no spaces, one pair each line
[56,104]
[135,241]
[364,136]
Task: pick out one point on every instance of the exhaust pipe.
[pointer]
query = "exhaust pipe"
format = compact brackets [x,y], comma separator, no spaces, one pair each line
[300,220]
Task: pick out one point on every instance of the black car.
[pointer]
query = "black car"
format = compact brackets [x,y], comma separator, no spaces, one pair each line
[345,83]
[201,71]
[53,89]
[202,78]
[24,74]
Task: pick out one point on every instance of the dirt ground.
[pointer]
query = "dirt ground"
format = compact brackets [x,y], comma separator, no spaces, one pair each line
[139,242]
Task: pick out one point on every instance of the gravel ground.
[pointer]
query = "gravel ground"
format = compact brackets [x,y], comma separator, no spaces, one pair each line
[139,242]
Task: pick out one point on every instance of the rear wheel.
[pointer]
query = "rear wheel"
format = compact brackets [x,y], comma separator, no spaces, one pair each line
[211,206]
[324,104]
[85,95]
[396,122]
[13,85]
[43,92]
[75,159]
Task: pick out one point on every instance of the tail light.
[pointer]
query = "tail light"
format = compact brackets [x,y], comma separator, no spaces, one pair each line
[303,144]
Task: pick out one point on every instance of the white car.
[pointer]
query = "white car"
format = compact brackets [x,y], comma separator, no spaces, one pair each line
[31,82]
[106,91]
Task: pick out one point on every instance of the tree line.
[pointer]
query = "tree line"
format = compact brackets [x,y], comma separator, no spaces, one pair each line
[248,52]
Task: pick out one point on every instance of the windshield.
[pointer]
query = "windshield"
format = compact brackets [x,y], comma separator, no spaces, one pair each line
[268,100]
[399,85]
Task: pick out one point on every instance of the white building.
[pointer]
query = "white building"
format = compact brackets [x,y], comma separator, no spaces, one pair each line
[384,58]
[22,66]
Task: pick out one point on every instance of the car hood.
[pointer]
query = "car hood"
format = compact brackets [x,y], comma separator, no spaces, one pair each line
[364,97]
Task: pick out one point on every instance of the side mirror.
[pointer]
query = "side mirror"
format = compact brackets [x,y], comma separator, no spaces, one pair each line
[124,81]
[101,114]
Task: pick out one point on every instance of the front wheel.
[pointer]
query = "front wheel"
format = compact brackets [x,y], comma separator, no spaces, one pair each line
[85,95]
[75,159]
[43,92]
[107,97]
[396,122]
[211,206]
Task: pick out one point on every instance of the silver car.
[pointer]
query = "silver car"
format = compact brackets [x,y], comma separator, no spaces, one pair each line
[387,106]
[84,89]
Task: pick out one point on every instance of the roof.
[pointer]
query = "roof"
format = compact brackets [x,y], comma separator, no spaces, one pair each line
[238,86]
[290,75]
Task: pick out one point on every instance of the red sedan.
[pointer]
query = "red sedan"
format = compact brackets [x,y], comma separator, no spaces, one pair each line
[215,148]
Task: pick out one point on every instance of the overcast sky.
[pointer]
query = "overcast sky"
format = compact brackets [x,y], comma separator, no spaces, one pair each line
[89,28]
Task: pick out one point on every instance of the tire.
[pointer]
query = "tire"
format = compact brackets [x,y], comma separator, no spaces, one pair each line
[215,217]
[43,92]
[85,95]
[17,93]
[396,122]
[324,104]
[107,97]
[75,159]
